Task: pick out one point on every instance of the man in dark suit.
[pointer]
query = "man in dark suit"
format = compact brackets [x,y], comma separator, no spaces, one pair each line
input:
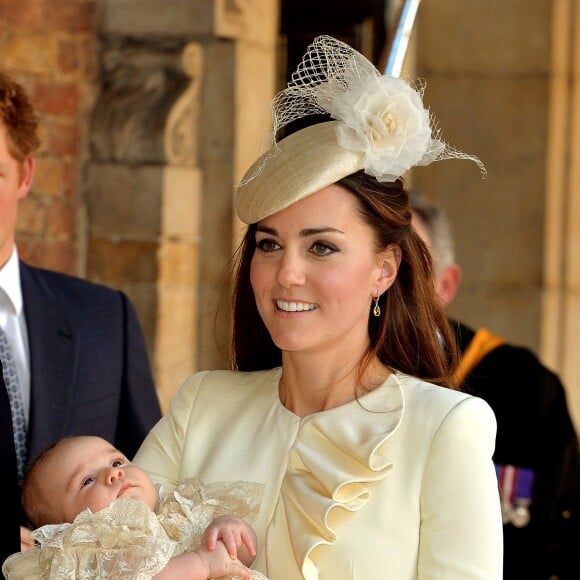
[537,455]
[76,347]
[88,363]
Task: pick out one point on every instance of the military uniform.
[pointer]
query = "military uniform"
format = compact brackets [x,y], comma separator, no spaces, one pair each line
[537,458]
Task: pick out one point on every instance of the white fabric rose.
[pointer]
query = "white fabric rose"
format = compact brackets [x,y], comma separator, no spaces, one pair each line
[384,118]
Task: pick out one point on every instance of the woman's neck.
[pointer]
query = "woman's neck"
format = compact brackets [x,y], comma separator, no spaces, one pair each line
[309,385]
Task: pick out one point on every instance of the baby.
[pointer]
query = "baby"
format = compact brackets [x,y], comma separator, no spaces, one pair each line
[98,516]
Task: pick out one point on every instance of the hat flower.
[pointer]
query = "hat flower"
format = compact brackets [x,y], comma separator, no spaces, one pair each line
[384,119]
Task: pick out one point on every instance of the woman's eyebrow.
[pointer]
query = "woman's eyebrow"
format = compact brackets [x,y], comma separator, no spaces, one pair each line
[316,231]
[303,233]
[266,230]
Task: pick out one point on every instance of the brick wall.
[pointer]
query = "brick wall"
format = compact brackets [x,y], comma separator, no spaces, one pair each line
[50,46]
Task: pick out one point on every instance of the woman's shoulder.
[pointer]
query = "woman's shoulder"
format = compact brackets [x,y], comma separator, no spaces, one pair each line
[432,412]
[220,385]
[421,396]
[230,378]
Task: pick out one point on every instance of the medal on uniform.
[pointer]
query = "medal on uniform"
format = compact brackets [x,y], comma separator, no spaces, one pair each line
[515,488]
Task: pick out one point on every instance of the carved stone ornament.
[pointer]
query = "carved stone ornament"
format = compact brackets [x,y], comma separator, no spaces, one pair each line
[149,96]
[182,123]
[229,18]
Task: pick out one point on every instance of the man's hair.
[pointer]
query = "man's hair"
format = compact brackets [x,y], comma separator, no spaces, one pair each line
[437,224]
[19,117]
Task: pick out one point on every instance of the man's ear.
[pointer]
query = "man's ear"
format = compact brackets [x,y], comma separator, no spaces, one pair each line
[448,282]
[389,261]
[26,176]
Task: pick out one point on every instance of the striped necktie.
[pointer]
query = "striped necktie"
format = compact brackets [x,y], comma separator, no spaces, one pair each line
[16,404]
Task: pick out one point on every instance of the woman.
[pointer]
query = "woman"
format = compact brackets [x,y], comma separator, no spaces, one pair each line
[338,402]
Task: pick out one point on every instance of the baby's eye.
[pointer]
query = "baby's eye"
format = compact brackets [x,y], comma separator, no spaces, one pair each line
[87,481]
[267,245]
[117,463]
[323,248]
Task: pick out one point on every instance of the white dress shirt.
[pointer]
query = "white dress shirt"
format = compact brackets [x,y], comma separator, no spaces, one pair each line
[13,323]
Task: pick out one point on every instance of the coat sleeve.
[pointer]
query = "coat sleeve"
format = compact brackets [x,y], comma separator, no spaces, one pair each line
[461,528]
[161,454]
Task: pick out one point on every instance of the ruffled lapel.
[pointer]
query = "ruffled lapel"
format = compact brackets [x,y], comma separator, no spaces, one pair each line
[337,453]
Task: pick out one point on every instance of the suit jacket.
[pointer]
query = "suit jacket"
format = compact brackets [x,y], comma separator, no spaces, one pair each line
[89,367]
[534,431]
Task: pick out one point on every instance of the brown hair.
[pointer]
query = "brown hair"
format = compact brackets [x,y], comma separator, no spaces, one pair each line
[36,505]
[18,116]
[408,335]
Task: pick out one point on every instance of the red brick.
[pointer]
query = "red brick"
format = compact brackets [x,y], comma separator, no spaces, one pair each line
[62,138]
[43,134]
[71,15]
[50,176]
[57,97]
[61,221]
[53,255]
[28,52]
[21,13]
[69,57]
[32,216]
[90,49]
[70,180]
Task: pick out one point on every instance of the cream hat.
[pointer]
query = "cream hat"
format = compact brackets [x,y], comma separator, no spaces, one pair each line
[294,170]
[380,126]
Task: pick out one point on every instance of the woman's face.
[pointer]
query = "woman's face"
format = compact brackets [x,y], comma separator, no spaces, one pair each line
[315,271]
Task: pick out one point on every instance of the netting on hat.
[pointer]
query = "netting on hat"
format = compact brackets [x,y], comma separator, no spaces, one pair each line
[328,68]
[381,117]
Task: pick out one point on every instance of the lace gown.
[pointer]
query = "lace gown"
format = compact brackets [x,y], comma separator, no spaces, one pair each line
[127,540]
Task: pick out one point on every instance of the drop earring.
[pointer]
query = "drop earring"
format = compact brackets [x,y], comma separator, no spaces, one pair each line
[377,308]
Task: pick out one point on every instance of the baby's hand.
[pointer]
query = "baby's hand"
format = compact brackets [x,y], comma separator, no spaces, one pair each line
[26,541]
[203,564]
[218,563]
[234,533]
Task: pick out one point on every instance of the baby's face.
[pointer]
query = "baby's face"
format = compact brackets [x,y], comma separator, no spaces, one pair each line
[88,472]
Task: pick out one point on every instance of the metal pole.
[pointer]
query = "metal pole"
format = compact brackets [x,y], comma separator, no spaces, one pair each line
[401,37]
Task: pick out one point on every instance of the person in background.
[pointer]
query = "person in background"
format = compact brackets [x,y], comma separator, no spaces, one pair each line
[537,455]
[73,355]
[100,516]
[340,400]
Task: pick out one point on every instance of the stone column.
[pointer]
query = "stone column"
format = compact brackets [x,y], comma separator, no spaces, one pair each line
[168,146]
[561,297]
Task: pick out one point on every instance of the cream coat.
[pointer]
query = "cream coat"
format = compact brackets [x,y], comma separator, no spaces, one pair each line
[399,485]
